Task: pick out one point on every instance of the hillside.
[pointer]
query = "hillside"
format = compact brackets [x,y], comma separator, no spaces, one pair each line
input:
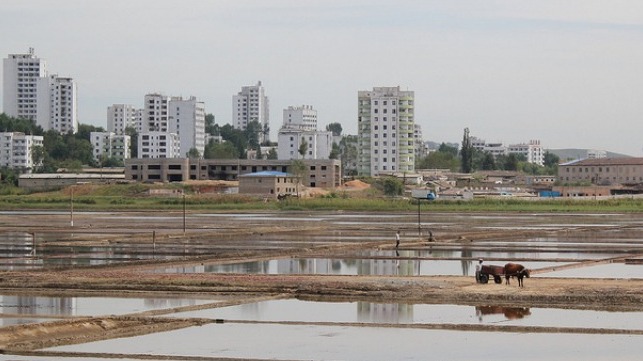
[577,153]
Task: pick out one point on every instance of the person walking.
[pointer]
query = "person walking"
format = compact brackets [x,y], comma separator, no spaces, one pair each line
[397,239]
[478,269]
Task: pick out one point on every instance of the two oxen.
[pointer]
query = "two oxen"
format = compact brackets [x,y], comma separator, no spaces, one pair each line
[508,271]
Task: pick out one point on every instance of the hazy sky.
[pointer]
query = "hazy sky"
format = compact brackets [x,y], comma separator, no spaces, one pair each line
[569,73]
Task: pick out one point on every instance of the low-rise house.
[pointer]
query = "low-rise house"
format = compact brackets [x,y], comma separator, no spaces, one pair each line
[269,183]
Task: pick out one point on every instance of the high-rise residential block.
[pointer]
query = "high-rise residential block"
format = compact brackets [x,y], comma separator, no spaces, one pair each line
[20,84]
[121,117]
[385,130]
[16,150]
[301,118]
[110,145]
[186,117]
[251,104]
[159,145]
[57,109]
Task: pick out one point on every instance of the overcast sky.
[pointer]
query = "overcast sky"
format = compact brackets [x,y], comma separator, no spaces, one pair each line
[569,73]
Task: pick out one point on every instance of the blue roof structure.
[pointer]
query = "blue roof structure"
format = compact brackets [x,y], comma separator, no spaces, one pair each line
[267,174]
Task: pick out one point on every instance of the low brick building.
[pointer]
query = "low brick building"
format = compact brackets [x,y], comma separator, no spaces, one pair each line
[323,173]
[268,183]
[602,171]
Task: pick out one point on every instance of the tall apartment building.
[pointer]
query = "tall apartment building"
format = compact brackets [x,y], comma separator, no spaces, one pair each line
[301,118]
[251,104]
[318,144]
[533,151]
[20,84]
[16,150]
[122,116]
[185,118]
[159,145]
[155,116]
[385,130]
[57,109]
[110,145]
[300,126]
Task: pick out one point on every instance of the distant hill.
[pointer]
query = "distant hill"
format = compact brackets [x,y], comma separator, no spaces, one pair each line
[572,154]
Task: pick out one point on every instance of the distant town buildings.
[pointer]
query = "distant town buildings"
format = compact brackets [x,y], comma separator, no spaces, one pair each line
[20,84]
[110,145]
[385,130]
[251,104]
[299,133]
[123,116]
[159,145]
[30,93]
[532,151]
[602,171]
[57,107]
[17,149]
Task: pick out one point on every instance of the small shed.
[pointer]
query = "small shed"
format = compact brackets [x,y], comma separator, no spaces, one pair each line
[268,183]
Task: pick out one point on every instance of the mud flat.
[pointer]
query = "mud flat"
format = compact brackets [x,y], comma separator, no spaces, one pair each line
[240,238]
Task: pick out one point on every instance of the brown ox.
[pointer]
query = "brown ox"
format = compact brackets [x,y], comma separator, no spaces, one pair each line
[516,270]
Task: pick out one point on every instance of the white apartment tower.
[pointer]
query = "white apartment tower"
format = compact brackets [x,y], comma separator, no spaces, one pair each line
[122,116]
[533,151]
[110,145]
[251,104]
[385,131]
[16,150]
[57,104]
[184,118]
[159,145]
[187,119]
[318,144]
[301,118]
[155,116]
[20,84]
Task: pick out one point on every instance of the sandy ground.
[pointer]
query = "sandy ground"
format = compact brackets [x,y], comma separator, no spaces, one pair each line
[135,280]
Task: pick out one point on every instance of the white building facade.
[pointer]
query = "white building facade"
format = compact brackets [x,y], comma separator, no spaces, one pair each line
[533,151]
[16,150]
[110,145]
[301,118]
[385,129]
[318,144]
[186,117]
[155,113]
[57,108]
[251,104]
[159,145]
[123,116]
[20,84]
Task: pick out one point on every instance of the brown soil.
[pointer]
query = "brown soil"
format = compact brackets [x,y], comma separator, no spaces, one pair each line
[134,280]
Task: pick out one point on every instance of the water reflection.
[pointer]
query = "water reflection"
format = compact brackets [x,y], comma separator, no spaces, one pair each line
[510,313]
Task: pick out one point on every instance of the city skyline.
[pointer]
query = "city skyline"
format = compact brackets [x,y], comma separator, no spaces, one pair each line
[566,74]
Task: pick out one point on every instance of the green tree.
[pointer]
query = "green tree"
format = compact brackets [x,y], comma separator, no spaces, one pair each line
[348,154]
[439,160]
[210,126]
[299,169]
[223,150]
[390,186]
[303,147]
[272,153]
[26,126]
[131,131]
[252,132]
[84,131]
[336,128]
[488,162]
[335,152]
[511,162]
[445,148]
[466,153]
[193,153]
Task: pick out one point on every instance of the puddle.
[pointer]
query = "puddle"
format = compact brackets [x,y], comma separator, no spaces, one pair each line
[303,342]
[395,313]
[88,306]
[393,266]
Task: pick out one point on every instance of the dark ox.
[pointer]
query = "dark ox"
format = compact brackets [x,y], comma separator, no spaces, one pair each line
[515,270]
